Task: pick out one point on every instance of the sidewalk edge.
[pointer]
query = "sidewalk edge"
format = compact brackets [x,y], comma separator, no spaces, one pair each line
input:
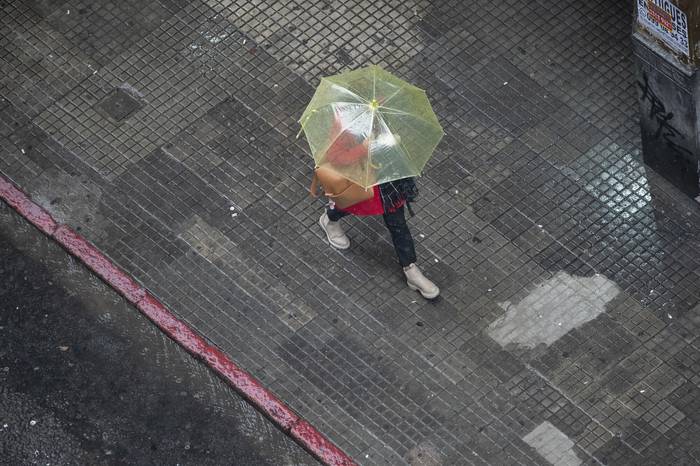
[244,383]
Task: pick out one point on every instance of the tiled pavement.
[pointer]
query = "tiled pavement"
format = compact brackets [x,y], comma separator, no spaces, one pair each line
[567,331]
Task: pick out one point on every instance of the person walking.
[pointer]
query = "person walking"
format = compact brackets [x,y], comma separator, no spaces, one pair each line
[389,200]
[370,134]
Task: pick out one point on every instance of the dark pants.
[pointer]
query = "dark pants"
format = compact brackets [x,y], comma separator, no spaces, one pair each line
[400,234]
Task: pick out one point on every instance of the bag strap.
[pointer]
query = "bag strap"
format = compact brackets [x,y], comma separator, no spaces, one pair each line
[315,183]
[340,193]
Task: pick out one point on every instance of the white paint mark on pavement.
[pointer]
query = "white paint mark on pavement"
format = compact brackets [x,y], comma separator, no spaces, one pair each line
[424,454]
[552,309]
[553,445]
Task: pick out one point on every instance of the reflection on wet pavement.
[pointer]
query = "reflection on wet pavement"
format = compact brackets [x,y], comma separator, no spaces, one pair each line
[535,203]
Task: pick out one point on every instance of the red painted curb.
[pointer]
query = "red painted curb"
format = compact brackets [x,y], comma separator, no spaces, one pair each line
[77,245]
[319,445]
[249,387]
[35,214]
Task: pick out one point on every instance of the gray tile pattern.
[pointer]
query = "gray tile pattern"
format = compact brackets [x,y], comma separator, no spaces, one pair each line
[165,132]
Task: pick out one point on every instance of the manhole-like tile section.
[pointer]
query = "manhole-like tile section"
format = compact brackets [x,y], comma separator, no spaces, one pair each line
[120,104]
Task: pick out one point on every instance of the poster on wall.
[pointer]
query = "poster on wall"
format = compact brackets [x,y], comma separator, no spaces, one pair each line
[666,21]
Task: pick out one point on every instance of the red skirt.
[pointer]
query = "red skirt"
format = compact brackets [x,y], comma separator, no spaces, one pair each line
[372,206]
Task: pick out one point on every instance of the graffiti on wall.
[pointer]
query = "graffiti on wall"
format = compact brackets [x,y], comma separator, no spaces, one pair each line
[664,127]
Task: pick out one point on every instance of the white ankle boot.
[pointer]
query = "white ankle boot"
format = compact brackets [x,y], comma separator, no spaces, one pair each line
[417,282]
[334,232]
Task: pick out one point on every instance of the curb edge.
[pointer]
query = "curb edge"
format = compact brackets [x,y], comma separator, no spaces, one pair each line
[244,383]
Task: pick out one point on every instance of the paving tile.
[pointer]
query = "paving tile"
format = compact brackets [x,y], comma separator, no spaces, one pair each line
[166,134]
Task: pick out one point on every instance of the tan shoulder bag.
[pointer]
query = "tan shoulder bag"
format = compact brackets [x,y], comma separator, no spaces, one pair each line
[340,190]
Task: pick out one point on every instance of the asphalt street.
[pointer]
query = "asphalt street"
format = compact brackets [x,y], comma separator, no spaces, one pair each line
[86,379]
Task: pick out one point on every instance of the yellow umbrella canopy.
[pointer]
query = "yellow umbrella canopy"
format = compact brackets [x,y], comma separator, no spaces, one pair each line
[370,126]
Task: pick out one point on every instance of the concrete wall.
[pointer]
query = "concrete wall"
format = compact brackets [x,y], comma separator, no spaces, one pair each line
[668,92]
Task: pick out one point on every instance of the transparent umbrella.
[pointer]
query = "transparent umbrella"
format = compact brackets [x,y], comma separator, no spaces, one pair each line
[370,127]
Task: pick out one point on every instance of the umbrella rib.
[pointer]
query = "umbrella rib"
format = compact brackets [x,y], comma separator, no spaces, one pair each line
[393,95]
[310,111]
[408,154]
[374,84]
[345,88]
[369,150]
[343,130]
[316,109]
[404,86]
[396,111]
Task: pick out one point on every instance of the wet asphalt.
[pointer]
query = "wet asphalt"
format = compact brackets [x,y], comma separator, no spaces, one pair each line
[86,379]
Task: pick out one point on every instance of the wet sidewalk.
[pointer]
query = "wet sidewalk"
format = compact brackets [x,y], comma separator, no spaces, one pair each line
[86,379]
[567,328]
